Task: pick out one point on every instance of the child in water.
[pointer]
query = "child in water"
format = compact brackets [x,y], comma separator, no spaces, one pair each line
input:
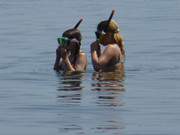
[113,55]
[69,57]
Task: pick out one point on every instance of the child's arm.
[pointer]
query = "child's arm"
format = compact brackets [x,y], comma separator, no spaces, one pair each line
[81,62]
[101,60]
[57,64]
[65,59]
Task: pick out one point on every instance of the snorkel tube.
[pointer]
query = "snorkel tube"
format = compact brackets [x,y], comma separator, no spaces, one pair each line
[78,23]
[109,20]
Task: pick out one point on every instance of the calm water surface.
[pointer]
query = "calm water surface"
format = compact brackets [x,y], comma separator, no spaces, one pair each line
[35,100]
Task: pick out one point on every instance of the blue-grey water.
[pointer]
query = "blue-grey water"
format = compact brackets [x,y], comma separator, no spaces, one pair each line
[35,100]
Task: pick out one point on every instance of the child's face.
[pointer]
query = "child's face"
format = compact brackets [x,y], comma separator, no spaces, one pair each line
[105,38]
[73,44]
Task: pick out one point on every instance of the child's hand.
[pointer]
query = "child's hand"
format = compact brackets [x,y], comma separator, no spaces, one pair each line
[95,46]
[64,53]
[58,51]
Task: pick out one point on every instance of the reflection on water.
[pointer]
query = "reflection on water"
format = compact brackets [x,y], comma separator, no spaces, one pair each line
[90,109]
[107,81]
[105,88]
[108,86]
[70,87]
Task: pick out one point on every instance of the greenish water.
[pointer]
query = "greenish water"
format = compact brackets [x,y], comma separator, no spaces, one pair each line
[36,100]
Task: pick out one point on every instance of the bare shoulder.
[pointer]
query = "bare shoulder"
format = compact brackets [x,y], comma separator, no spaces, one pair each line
[110,48]
[81,62]
[111,51]
[82,54]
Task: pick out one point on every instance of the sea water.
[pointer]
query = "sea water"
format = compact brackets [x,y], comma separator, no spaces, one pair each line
[35,100]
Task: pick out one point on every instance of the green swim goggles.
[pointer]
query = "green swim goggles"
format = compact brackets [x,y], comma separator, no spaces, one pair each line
[64,41]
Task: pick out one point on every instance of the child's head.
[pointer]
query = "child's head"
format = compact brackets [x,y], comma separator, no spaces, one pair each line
[73,33]
[109,33]
[112,27]
[75,37]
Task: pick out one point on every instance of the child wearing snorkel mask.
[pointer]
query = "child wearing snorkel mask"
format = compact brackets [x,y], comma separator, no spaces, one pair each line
[109,38]
[68,54]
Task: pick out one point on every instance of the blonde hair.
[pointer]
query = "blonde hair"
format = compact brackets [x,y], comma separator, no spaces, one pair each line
[119,40]
[112,26]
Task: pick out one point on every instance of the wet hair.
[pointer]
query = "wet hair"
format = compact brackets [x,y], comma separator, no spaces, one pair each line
[101,26]
[73,33]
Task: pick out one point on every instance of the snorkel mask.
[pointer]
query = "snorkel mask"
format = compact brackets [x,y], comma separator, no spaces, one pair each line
[63,41]
[100,35]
